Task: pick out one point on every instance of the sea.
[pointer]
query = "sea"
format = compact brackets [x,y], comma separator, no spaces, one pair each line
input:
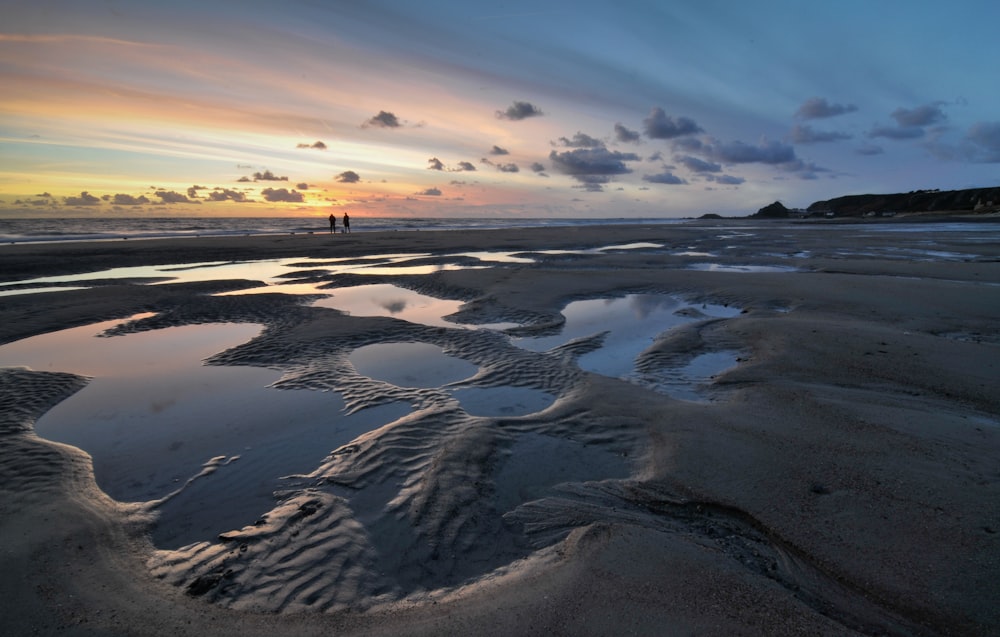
[117,228]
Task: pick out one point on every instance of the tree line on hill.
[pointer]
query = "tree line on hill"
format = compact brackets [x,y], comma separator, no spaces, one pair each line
[969,200]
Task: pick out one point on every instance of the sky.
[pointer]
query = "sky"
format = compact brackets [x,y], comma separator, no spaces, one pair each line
[522,109]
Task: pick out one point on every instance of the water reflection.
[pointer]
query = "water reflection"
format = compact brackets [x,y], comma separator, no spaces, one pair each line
[154,416]
[410,364]
[626,326]
[383,299]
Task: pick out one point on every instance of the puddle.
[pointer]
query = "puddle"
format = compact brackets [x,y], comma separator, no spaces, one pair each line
[497,402]
[641,245]
[538,462]
[719,267]
[154,416]
[688,382]
[631,323]
[384,299]
[410,364]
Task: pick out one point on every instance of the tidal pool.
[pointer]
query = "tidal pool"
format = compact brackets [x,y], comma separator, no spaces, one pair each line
[626,326]
[689,381]
[410,364]
[210,444]
[383,299]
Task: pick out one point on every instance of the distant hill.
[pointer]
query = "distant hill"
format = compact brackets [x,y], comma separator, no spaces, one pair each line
[970,200]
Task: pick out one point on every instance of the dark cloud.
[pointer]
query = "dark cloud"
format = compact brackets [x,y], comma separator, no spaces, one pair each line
[122,199]
[85,199]
[244,179]
[496,150]
[897,132]
[384,119]
[537,167]
[592,166]
[508,168]
[592,183]
[666,177]
[465,165]
[44,199]
[819,108]
[267,175]
[983,139]
[317,145]
[581,140]
[920,116]
[172,196]
[192,192]
[282,194]
[223,194]
[726,180]
[659,125]
[870,149]
[432,192]
[302,185]
[435,164]
[348,177]
[803,134]
[623,134]
[738,152]
[519,110]
[697,165]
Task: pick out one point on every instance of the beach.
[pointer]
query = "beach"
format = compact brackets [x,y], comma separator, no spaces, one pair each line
[836,474]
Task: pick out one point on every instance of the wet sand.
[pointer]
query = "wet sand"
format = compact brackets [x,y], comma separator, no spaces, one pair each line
[843,478]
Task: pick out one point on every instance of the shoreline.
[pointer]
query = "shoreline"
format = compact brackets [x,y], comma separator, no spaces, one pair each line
[841,481]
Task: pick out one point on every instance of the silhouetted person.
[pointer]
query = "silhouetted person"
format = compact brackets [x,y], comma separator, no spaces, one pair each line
[333,223]
[347,223]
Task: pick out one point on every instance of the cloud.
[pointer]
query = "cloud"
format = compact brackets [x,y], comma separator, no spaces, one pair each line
[623,134]
[302,185]
[819,108]
[803,134]
[537,167]
[244,179]
[697,165]
[738,152]
[518,111]
[920,116]
[983,139]
[592,183]
[665,177]
[496,150]
[85,199]
[317,145]
[282,194]
[348,177]
[581,140]
[384,119]
[465,165]
[659,125]
[267,175]
[192,192]
[897,132]
[726,180]
[508,168]
[592,165]
[122,199]
[432,192]
[172,196]
[870,150]
[223,194]
[435,164]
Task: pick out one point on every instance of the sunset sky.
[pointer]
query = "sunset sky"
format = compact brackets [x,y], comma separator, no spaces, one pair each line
[533,109]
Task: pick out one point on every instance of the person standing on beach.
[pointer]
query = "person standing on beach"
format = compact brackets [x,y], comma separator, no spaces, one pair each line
[333,223]
[347,223]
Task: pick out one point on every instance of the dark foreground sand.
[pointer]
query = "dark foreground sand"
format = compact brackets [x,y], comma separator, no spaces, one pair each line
[844,479]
